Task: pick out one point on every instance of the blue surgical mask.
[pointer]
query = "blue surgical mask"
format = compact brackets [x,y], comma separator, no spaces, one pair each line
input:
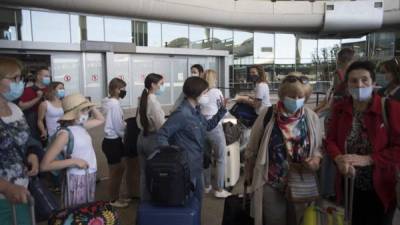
[292,105]
[16,90]
[161,90]
[60,93]
[46,81]
[361,94]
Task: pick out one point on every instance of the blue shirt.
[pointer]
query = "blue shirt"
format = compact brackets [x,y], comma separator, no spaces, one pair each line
[186,128]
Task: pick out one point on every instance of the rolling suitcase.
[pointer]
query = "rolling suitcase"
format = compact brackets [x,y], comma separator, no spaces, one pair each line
[232,164]
[16,217]
[46,202]
[150,214]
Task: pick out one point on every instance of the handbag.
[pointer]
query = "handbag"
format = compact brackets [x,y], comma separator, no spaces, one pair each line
[302,184]
[245,113]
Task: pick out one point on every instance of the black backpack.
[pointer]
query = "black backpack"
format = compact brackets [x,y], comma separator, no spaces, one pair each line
[168,177]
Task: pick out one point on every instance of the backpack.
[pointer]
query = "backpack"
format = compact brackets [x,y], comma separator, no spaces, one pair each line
[69,150]
[168,177]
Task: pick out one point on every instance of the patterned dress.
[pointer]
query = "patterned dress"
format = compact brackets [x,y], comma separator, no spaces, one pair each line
[358,143]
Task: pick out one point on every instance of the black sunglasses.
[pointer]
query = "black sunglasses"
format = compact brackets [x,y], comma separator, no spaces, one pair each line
[292,79]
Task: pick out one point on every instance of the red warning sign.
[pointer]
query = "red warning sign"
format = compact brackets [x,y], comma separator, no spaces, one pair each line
[95,77]
[67,78]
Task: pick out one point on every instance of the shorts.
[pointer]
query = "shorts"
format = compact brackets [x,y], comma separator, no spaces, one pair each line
[113,149]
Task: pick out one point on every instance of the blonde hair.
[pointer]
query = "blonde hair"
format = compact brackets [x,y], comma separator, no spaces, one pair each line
[9,66]
[294,87]
[211,77]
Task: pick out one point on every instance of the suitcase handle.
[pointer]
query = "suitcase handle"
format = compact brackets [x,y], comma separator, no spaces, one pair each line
[31,204]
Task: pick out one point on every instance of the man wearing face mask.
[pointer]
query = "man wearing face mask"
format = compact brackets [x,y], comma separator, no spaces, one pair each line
[196,70]
[365,147]
[32,97]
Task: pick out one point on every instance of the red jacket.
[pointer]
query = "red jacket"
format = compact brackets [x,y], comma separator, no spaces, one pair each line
[385,158]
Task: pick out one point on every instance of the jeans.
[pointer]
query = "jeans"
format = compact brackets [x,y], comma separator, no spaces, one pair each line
[216,138]
[22,210]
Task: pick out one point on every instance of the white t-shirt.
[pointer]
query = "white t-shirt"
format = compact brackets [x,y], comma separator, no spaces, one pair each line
[83,149]
[262,93]
[53,114]
[115,124]
[211,108]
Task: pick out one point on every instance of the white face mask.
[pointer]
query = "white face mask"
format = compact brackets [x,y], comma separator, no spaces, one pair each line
[361,94]
[203,100]
[83,118]
[195,74]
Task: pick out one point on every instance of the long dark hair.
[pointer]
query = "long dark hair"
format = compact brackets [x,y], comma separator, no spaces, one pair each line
[150,79]
[51,91]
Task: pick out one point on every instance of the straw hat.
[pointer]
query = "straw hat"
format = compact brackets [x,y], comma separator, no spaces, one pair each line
[72,104]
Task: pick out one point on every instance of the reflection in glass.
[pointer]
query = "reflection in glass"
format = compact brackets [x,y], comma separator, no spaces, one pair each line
[222,40]
[263,48]
[95,28]
[382,46]
[359,45]
[153,36]
[200,37]
[140,33]
[50,27]
[243,43]
[75,29]
[118,30]
[327,49]
[8,29]
[285,48]
[175,36]
[307,50]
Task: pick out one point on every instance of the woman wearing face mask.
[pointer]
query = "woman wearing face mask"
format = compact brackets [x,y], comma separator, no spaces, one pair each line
[51,110]
[261,98]
[209,105]
[186,128]
[196,70]
[16,152]
[291,136]
[112,145]
[150,118]
[391,68]
[82,166]
[361,146]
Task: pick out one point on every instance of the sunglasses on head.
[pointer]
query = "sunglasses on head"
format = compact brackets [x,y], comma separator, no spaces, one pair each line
[292,79]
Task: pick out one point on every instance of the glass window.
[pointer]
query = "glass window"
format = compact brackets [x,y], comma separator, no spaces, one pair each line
[8,29]
[200,37]
[243,43]
[222,40]
[307,50]
[75,28]
[50,27]
[263,48]
[95,28]
[24,25]
[327,49]
[285,48]
[118,30]
[153,34]
[382,46]
[175,36]
[359,45]
[140,33]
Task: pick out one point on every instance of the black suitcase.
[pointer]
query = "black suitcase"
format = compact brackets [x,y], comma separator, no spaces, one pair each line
[45,202]
[237,210]
[168,177]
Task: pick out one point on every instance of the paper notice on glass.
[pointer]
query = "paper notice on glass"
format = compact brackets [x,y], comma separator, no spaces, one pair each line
[180,76]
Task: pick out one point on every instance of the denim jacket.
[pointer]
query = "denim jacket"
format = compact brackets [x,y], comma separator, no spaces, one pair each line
[186,128]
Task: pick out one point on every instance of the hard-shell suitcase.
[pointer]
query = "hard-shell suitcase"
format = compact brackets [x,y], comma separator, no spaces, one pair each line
[15,216]
[150,214]
[232,164]
[46,202]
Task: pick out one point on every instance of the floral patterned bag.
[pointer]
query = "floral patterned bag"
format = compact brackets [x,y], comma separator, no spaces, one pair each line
[96,213]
